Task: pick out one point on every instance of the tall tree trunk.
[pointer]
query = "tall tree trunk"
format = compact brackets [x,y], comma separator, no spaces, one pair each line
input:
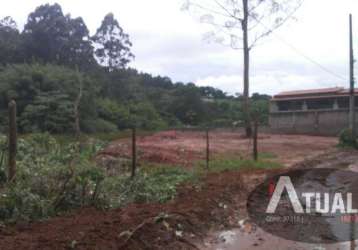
[246,101]
[77,105]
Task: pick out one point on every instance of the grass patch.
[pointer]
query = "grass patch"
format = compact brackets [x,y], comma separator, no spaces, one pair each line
[267,155]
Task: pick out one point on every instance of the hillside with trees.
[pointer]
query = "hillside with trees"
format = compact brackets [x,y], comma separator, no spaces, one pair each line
[64,80]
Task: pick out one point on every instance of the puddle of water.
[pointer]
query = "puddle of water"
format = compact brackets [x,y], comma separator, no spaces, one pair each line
[239,239]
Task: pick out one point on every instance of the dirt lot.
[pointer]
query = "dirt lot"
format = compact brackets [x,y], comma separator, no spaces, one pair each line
[184,148]
[216,204]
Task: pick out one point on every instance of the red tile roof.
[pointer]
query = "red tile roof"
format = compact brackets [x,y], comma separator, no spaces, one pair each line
[311,93]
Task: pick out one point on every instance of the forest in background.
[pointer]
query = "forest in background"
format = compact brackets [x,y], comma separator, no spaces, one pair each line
[57,72]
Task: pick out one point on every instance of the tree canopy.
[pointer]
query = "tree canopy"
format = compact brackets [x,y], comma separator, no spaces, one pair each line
[112,44]
[63,79]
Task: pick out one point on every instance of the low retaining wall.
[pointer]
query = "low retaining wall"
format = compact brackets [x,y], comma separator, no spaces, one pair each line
[315,122]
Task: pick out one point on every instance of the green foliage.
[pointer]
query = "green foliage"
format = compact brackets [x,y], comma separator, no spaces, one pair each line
[3,159]
[52,37]
[110,110]
[10,41]
[260,111]
[145,116]
[346,139]
[98,126]
[45,96]
[51,111]
[51,179]
[113,45]
[187,105]
[159,184]
[114,97]
[267,155]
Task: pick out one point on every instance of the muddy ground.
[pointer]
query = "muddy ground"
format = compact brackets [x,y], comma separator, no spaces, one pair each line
[200,213]
[246,235]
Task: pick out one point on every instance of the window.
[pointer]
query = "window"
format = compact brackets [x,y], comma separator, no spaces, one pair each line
[320,103]
[289,105]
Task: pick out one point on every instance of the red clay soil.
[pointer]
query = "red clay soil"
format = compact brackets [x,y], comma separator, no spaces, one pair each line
[184,148]
[214,203]
[174,225]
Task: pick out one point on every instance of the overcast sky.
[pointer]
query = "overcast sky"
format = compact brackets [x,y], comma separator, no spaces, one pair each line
[168,41]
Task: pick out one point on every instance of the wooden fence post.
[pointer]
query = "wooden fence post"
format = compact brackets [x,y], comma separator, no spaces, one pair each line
[207,149]
[255,153]
[134,152]
[12,141]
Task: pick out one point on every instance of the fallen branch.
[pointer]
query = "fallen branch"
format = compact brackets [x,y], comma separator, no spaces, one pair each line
[137,228]
[183,240]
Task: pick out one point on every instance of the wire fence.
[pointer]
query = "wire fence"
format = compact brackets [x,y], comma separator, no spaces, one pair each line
[207,140]
[202,134]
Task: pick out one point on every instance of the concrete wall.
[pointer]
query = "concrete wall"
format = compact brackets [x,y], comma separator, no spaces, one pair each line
[315,122]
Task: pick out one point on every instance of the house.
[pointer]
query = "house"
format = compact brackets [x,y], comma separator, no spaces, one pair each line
[315,111]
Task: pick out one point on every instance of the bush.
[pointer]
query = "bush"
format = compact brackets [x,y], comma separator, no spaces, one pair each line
[346,139]
[110,110]
[45,96]
[159,184]
[51,179]
[145,116]
[3,159]
[98,126]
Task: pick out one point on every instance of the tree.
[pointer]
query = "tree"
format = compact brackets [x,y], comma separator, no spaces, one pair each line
[45,33]
[210,92]
[47,96]
[112,44]
[50,111]
[52,37]
[187,105]
[241,24]
[10,41]
[78,50]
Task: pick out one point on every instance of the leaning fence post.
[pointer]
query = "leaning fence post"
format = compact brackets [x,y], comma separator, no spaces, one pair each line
[255,153]
[207,149]
[12,140]
[134,152]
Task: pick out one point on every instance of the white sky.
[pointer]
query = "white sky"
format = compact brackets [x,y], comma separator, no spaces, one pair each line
[168,41]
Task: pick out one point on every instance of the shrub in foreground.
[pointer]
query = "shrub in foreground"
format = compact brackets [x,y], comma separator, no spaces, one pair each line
[50,179]
[53,179]
[346,139]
